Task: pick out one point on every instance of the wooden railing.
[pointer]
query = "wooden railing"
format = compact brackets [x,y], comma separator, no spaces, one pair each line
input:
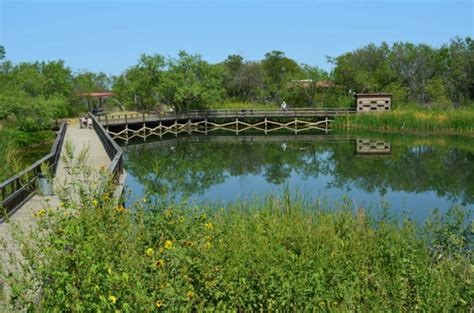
[15,191]
[111,147]
[194,114]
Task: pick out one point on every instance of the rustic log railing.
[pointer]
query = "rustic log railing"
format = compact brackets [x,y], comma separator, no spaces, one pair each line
[114,119]
[15,191]
[112,149]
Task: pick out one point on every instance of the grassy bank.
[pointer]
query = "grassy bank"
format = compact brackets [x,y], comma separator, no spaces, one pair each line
[412,119]
[273,256]
[19,149]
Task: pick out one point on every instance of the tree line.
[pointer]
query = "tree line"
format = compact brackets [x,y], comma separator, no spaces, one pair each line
[414,73]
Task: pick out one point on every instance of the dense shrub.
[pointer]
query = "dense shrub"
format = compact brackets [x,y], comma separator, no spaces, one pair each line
[273,256]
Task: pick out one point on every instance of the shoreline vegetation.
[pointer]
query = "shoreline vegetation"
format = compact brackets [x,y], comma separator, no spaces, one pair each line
[279,254]
[400,120]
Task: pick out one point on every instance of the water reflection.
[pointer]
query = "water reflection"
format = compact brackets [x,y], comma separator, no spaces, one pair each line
[411,173]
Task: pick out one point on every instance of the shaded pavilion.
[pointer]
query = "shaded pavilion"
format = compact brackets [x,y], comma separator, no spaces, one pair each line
[97,105]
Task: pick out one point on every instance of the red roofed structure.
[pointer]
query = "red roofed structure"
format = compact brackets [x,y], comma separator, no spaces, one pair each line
[99,95]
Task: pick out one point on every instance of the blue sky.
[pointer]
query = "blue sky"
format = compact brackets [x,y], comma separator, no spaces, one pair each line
[108,36]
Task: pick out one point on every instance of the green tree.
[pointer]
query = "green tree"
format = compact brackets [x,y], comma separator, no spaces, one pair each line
[138,86]
[191,83]
[279,71]
[2,52]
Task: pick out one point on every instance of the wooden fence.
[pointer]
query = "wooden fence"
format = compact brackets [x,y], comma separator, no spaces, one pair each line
[15,191]
[117,119]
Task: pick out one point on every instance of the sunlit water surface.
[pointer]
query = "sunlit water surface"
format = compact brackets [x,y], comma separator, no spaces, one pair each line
[409,175]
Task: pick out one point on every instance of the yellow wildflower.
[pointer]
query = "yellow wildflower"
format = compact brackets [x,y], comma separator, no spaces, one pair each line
[109,270]
[106,196]
[209,225]
[207,246]
[40,213]
[149,252]
[168,244]
[61,204]
[112,299]
[120,208]
[168,213]
[164,285]
[161,250]
[94,202]
[181,219]
[159,303]
[190,294]
[160,263]
[189,243]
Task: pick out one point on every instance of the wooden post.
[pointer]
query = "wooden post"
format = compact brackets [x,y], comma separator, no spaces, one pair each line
[237,125]
[296,125]
[205,126]
[106,121]
[265,125]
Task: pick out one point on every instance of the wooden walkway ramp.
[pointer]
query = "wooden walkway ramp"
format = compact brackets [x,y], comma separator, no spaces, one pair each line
[25,216]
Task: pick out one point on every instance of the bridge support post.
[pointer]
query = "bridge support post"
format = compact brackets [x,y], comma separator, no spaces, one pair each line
[205,126]
[296,125]
[265,124]
[161,131]
[237,125]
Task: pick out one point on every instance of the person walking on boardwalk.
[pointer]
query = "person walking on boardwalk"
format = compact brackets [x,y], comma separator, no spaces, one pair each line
[89,122]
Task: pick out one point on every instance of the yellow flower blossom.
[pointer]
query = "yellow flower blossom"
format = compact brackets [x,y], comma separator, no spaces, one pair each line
[109,270]
[61,204]
[149,252]
[106,196]
[190,294]
[40,213]
[160,263]
[120,208]
[164,285]
[189,243]
[168,244]
[181,219]
[207,246]
[161,250]
[159,303]
[112,299]
[209,225]
[94,202]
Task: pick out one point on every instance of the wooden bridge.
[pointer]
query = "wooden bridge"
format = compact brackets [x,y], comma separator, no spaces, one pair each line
[20,203]
[144,125]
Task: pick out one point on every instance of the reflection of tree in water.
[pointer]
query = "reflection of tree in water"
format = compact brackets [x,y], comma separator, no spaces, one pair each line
[448,172]
[192,167]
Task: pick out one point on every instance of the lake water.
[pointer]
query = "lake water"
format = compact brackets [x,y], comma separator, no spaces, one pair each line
[411,175]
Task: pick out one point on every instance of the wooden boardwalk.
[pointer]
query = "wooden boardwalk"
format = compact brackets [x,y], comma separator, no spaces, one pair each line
[24,217]
[195,115]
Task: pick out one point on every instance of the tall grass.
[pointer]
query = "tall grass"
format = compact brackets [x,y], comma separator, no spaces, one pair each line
[275,255]
[412,119]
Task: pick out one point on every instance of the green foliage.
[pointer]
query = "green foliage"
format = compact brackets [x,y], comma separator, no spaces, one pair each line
[8,155]
[2,52]
[191,83]
[98,255]
[421,73]
[31,113]
[413,119]
[137,87]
